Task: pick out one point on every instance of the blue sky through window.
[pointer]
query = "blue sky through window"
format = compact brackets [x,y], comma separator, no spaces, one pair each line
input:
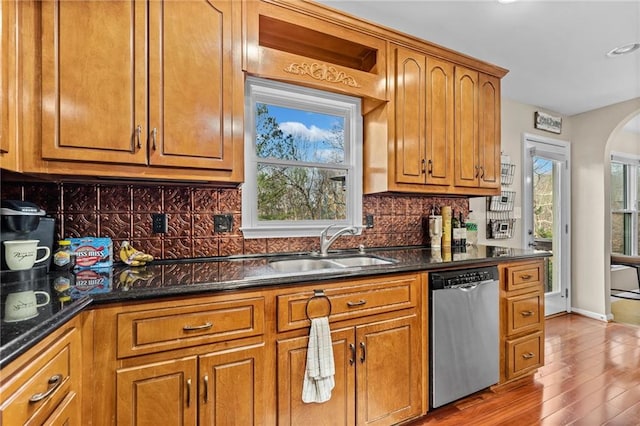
[314,132]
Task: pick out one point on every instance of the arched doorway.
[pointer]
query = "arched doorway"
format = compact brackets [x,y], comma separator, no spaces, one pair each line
[624,202]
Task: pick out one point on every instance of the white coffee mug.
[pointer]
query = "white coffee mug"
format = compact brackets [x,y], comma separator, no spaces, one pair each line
[21,254]
[23,305]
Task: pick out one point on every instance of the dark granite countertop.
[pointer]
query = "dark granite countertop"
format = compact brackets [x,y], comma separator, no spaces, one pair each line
[198,276]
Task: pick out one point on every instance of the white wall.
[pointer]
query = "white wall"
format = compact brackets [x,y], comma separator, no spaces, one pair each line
[591,220]
[516,119]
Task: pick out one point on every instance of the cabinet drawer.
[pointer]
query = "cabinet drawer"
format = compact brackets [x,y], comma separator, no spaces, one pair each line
[524,354]
[67,413]
[38,389]
[156,330]
[524,276]
[355,299]
[525,313]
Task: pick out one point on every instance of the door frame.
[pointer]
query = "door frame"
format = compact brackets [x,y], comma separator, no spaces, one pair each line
[557,150]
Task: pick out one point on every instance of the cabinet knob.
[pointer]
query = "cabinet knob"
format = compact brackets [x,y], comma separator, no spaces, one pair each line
[526,313]
[528,355]
[423,163]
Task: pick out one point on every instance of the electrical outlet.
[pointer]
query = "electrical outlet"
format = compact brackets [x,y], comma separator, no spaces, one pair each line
[159,223]
[369,221]
[222,223]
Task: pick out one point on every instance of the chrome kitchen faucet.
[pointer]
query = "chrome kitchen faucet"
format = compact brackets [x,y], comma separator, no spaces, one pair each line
[325,242]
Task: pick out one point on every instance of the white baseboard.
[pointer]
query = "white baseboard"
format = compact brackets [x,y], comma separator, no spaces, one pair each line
[589,314]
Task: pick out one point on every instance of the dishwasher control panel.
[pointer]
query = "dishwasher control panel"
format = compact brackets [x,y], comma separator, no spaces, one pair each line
[461,277]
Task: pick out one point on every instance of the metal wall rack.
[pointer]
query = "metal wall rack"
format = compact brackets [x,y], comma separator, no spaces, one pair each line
[500,222]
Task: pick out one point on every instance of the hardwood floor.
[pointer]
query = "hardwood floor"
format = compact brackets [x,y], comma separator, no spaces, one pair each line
[591,377]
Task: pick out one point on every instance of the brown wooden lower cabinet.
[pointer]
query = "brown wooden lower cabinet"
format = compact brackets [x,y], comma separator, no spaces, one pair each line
[522,318]
[42,385]
[220,388]
[377,377]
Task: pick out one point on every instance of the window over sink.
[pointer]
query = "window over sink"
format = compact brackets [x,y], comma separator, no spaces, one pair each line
[303,160]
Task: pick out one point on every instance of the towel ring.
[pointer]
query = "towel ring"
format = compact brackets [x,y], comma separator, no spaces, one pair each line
[318,294]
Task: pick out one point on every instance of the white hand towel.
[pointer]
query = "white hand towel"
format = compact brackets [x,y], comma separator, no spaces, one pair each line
[320,369]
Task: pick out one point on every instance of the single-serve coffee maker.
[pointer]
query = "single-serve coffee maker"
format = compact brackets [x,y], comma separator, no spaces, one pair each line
[26,237]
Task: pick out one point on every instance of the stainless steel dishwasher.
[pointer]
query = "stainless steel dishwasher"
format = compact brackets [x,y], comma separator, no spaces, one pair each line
[464,347]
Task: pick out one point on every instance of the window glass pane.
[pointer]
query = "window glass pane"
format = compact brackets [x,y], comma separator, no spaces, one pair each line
[300,193]
[542,198]
[617,186]
[299,135]
[617,233]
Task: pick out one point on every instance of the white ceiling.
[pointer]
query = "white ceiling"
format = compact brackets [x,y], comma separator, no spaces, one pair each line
[555,51]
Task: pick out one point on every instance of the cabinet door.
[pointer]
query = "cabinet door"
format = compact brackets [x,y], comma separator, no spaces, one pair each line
[162,393]
[232,387]
[489,130]
[466,169]
[410,118]
[94,87]
[388,371]
[8,85]
[292,358]
[192,83]
[440,123]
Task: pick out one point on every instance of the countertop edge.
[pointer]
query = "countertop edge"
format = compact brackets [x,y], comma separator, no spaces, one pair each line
[22,344]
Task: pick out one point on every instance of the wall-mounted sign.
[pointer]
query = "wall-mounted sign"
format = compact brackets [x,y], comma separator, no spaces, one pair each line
[550,123]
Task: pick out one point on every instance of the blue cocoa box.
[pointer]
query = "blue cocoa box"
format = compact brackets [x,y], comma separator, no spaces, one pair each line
[92,252]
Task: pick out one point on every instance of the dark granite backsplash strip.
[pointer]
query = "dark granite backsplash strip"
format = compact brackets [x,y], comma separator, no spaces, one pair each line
[123,212]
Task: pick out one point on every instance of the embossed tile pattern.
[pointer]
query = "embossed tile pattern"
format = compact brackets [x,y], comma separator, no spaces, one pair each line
[123,212]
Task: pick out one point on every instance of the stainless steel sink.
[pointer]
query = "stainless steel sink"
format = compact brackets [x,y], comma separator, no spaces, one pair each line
[309,264]
[361,261]
[301,265]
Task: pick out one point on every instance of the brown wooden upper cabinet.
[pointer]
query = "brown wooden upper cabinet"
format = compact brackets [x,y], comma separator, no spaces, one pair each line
[423,119]
[143,83]
[443,125]
[304,43]
[477,135]
[8,84]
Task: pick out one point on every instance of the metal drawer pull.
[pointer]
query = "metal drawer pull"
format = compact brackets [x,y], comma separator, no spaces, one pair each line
[358,303]
[423,168]
[135,140]
[188,392]
[154,133]
[352,347]
[526,313]
[204,326]
[364,352]
[54,383]
[528,355]
[206,388]
[526,276]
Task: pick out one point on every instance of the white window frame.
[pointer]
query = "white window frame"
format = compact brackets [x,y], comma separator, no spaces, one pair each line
[631,185]
[271,92]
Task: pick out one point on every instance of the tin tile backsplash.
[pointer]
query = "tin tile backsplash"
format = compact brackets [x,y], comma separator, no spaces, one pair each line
[124,212]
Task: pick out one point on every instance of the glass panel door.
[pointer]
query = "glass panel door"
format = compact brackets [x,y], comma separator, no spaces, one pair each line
[546,198]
